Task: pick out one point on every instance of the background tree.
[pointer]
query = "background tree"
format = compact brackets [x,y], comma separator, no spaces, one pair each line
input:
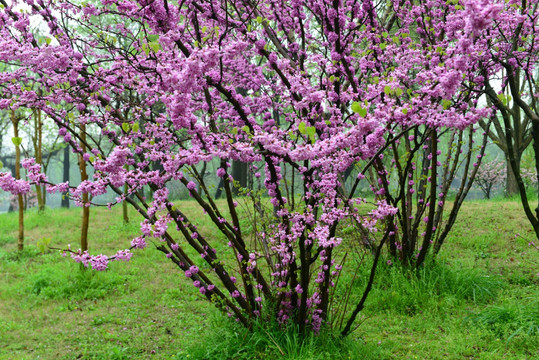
[520,133]
[490,174]
[513,50]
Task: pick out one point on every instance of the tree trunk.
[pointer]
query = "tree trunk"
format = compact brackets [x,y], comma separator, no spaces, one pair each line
[85,208]
[20,240]
[124,203]
[65,198]
[511,186]
[239,173]
[219,190]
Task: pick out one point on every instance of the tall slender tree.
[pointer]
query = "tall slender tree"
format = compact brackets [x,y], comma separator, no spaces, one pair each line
[17,141]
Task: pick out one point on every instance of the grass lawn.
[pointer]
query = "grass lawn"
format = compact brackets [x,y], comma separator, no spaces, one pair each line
[480,300]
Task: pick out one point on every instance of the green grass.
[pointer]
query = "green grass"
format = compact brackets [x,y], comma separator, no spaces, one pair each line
[479,300]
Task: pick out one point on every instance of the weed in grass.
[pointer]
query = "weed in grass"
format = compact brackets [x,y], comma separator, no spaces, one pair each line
[5,239]
[510,319]
[29,252]
[75,284]
[435,287]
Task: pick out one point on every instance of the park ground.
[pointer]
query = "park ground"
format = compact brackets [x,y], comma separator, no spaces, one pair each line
[480,300]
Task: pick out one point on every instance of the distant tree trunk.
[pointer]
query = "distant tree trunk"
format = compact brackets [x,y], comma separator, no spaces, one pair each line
[219,190]
[15,121]
[38,142]
[511,185]
[85,208]
[239,173]
[202,174]
[65,199]
[124,203]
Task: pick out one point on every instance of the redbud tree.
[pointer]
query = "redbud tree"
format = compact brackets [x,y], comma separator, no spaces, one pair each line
[294,88]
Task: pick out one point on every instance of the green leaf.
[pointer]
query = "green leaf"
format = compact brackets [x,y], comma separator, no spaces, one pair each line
[301,127]
[387,89]
[259,19]
[246,129]
[145,48]
[502,98]
[356,107]
[16,141]
[385,34]
[362,112]
[398,91]
[48,40]
[154,46]
[126,127]
[383,46]
[311,131]
[135,127]
[153,37]
[405,111]
[446,104]
[1,165]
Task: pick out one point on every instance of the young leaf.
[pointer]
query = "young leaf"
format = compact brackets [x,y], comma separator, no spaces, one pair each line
[154,46]
[16,141]
[301,127]
[356,107]
[446,104]
[145,49]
